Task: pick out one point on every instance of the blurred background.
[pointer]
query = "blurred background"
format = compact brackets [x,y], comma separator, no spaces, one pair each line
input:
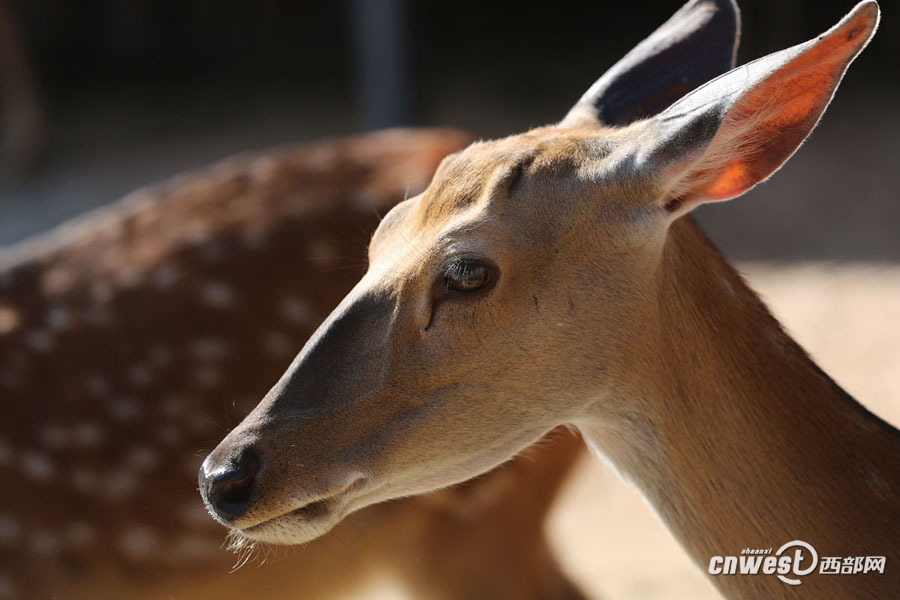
[100,97]
[103,96]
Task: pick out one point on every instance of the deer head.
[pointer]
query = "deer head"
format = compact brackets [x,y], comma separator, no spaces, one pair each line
[520,290]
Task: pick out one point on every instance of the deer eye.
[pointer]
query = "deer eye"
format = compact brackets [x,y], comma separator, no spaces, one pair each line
[466,276]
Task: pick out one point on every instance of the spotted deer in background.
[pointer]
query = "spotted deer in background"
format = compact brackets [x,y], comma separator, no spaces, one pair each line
[555,278]
[130,341]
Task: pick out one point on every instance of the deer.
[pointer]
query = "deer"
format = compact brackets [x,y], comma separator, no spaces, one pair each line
[556,278]
[131,339]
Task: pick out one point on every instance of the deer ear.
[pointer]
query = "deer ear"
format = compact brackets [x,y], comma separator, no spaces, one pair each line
[697,43]
[734,132]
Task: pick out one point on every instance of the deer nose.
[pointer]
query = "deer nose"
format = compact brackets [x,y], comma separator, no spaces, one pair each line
[228,488]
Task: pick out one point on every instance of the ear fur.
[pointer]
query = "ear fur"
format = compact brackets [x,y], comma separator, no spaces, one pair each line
[732,133]
[697,43]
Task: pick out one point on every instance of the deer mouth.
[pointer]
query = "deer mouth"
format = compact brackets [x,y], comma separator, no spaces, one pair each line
[304,523]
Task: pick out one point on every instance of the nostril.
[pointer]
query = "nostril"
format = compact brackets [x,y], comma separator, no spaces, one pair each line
[230,490]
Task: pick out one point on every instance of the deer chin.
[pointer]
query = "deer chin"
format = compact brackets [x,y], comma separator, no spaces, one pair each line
[306,520]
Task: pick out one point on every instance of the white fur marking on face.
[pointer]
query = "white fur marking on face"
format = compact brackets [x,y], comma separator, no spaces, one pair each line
[37,466]
[217,295]
[9,530]
[9,319]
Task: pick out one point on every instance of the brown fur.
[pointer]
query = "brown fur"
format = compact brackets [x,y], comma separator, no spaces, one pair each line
[131,340]
[606,310]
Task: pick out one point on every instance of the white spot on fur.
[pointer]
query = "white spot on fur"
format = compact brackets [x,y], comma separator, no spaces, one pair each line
[96,385]
[207,377]
[87,434]
[7,589]
[125,409]
[139,542]
[39,340]
[80,534]
[57,280]
[169,435]
[323,251]
[160,356]
[37,466]
[9,319]
[192,547]
[165,277]
[209,349]
[143,458]
[295,311]
[212,252]
[58,318]
[197,231]
[53,435]
[9,530]
[83,479]
[173,406]
[120,484]
[278,344]
[140,375]
[194,513]
[254,237]
[45,543]
[129,277]
[217,295]
[101,291]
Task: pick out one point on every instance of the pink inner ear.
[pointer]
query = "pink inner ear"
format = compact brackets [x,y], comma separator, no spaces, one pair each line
[769,122]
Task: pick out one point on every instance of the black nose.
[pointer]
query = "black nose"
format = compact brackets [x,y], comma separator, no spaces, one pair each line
[228,488]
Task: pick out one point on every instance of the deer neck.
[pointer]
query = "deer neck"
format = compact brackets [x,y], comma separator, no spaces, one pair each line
[738,439]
